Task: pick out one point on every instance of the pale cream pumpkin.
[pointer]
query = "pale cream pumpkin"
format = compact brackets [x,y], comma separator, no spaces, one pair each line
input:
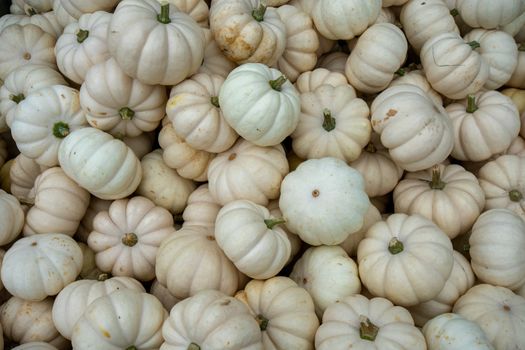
[118,104]
[334,62]
[43,119]
[47,21]
[69,11]
[311,80]
[105,166]
[484,124]
[127,236]
[201,209]
[351,243]
[318,191]
[452,66]
[333,123]
[162,184]
[406,259]
[517,79]
[236,173]
[60,204]
[106,324]
[214,61]
[356,321]
[20,83]
[379,53]
[11,218]
[417,132]
[460,280]
[502,182]
[196,9]
[252,239]
[496,245]
[328,274]
[191,261]
[96,205]
[448,195]
[498,311]
[190,163]
[179,42]
[22,175]
[302,43]
[211,320]
[50,262]
[21,45]
[80,294]
[163,294]
[25,321]
[194,110]
[417,78]
[488,14]
[248,31]
[423,19]
[285,313]
[30,6]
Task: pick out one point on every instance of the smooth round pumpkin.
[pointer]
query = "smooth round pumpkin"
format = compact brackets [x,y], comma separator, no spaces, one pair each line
[11,218]
[103,165]
[285,313]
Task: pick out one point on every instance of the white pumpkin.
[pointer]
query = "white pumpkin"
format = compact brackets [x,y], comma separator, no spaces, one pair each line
[201,209]
[196,9]
[484,125]
[323,201]
[120,105]
[20,83]
[406,259]
[334,62]
[82,45]
[333,123]
[417,77]
[154,43]
[252,239]
[489,14]
[106,324]
[105,166]
[214,61]
[22,175]
[248,31]
[50,262]
[227,182]
[194,110]
[451,331]
[30,6]
[309,81]
[71,10]
[260,104]
[21,45]
[328,274]
[11,218]
[47,21]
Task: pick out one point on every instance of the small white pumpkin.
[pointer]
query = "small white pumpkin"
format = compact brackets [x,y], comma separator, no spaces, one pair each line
[22,175]
[196,9]
[334,62]
[69,11]
[201,209]
[30,6]
[417,77]
[260,104]
[489,14]
[11,218]
[309,81]
[47,21]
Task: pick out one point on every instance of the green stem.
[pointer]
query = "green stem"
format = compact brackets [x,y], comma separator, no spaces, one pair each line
[126,113]
[395,246]
[258,13]
[278,83]
[262,321]
[193,346]
[31,11]
[103,277]
[17,98]
[164,15]
[329,121]
[60,130]
[270,223]
[400,72]
[515,196]
[474,44]
[215,101]
[367,330]
[82,35]
[454,12]
[130,239]
[436,183]
[471,104]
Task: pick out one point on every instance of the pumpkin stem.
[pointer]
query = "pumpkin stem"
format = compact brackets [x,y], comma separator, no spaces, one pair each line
[471,104]
[515,196]
[474,44]
[371,148]
[454,12]
[30,11]
[215,101]
[103,276]
[193,346]
[258,13]
[270,223]
[436,183]
[126,113]
[367,330]
[17,98]
[395,246]
[82,35]
[164,15]
[329,121]
[400,72]
[278,83]
[262,321]
[60,130]
[130,239]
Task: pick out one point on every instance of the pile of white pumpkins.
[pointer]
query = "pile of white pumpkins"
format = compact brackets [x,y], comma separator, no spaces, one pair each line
[246,174]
